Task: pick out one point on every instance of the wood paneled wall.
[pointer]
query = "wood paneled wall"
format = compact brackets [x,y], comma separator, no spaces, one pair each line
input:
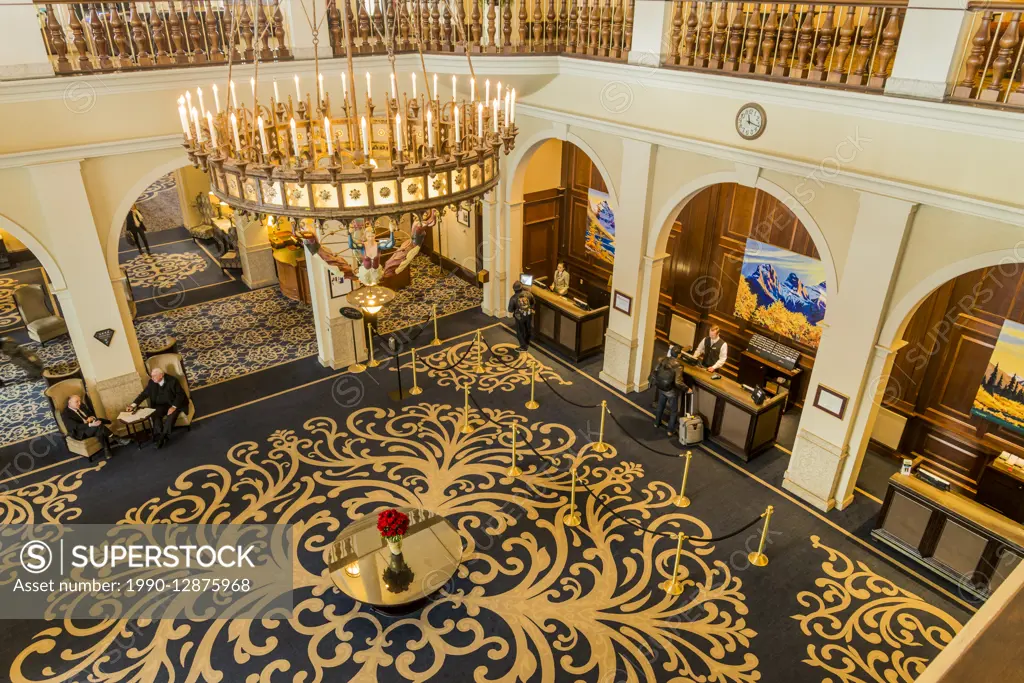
[935,377]
[706,246]
[555,224]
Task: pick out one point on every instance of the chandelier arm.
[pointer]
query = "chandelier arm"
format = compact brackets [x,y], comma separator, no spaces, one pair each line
[351,104]
[231,51]
[423,62]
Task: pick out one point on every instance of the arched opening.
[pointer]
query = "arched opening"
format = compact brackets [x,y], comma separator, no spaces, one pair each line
[953,398]
[35,351]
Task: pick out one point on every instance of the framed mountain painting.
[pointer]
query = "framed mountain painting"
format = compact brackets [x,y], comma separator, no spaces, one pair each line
[1000,398]
[782,291]
[600,237]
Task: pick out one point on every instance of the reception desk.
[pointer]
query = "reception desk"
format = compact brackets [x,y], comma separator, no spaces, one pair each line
[564,326]
[958,538]
[731,419]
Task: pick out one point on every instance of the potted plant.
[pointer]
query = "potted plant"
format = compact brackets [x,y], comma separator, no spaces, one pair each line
[393,526]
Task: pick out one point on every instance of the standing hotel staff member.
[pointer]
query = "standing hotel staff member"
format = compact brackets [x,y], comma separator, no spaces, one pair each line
[82,424]
[137,230]
[561,280]
[166,396]
[712,352]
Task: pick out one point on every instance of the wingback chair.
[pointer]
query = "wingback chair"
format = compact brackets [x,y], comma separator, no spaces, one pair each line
[59,394]
[172,365]
[42,325]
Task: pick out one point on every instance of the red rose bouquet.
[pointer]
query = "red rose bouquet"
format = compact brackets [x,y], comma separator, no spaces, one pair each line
[392,524]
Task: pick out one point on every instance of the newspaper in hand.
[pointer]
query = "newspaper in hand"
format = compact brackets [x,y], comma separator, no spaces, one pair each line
[140,414]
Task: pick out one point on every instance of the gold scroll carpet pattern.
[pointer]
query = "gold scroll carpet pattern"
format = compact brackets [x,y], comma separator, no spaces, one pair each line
[161,271]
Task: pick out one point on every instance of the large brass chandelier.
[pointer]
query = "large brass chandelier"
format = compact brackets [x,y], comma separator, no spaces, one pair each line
[348,170]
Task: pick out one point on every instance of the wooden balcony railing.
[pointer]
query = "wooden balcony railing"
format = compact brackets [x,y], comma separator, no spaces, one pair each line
[991,71]
[91,37]
[587,28]
[844,45]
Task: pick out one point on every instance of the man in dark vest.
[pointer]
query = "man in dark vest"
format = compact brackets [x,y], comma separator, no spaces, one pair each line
[167,397]
[136,229]
[82,423]
[521,306]
[712,352]
[667,378]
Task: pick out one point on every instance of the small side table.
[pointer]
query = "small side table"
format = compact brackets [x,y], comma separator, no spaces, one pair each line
[139,429]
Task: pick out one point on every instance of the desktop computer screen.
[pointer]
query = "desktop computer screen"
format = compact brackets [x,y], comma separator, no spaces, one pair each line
[526,279]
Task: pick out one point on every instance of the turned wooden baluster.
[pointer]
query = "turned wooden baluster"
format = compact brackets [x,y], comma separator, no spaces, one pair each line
[627,29]
[523,46]
[195,34]
[476,27]
[606,29]
[377,32]
[245,30]
[865,46]
[593,39]
[550,30]
[140,37]
[886,50]
[334,28]
[804,43]
[573,28]
[60,46]
[689,51]
[843,47]
[676,33]
[732,57]
[1003,61]
[99,40]
[435,26]
[506,27]
[229,25]
[447,39]
[492,26]
[78,40]
[119,34]
[563,25]
[787,34]
[581,41]
[975,60]
[616,45]
[718,38]
[215,54]
[771,30]
[363,28]
[753,38]
[823,49]
[265,27]
[461,29]
[537,27]
[704,39]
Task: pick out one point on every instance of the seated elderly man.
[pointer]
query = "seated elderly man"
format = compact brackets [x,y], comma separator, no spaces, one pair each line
[82,424]
[166,396]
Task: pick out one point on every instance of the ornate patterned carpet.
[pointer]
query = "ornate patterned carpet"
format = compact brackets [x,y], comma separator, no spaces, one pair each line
[534,600]
[9,281]
[159,205]
[171,269]
[24,410]
[429,286]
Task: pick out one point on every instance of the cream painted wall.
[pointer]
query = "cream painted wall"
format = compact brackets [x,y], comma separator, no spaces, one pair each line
[457,241]
[191,181]
[544,171]
[673,170]
[18,202]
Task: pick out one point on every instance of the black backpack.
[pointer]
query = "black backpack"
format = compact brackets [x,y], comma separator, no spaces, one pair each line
[523,308]
[665,377]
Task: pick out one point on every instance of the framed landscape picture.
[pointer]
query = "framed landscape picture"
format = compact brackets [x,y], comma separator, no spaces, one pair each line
[1000,398]
[600,235]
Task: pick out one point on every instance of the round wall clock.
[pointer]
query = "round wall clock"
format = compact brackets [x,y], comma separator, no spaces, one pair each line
[750,121]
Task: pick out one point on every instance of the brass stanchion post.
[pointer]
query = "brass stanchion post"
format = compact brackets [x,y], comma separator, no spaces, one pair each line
[415,391]
[532,403]
[373,362]
[681,500]
[356,367]
[572,518]
[601,446]
[479,369]
[437,340]
[514,470]
[759,559]
[466,427]
[674,586]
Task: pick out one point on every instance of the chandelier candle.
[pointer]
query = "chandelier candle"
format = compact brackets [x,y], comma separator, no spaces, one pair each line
[277,95]
[480,122]
[398,132]
[458,137]
[195,120]
[213,130]
[295,139]
[413,84]
[234,100]
[234,132]
[184,118]
[327,134]
[394,92]
[263,136]
[430,130]
[298,92]
[366,139]
[216,98]
[252,86]
[472,89]
[202,108]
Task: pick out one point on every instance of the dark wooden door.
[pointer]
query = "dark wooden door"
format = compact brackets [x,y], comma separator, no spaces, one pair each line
[540,232]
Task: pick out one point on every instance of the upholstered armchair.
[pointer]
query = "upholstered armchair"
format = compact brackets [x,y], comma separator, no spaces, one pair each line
[172,365]
[59,394]
[42,325]
[204,230]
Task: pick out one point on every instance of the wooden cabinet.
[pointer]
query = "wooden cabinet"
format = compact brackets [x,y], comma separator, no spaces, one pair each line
[291,274]
[1002,490]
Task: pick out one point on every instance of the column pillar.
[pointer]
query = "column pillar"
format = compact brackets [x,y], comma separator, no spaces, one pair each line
[622,348]
[255,253]
[932,40]
[340,342]
[91,300]
[847,361]
[647,317]
[652,27]
[493,252]
[512,246]
[22,51]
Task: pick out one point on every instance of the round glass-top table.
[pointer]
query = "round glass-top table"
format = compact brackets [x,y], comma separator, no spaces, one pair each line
[364,568]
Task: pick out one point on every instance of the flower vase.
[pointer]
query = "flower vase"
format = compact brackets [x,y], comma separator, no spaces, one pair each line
[395,545]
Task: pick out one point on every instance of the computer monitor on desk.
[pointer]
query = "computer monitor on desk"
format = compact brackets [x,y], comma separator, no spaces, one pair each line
[526,279]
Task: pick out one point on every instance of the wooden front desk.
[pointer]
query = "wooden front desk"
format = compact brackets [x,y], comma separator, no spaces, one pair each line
[561,324]
[959,538]
[731,418]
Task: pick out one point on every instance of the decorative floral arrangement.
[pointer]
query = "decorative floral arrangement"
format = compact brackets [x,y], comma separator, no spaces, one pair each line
[392,524]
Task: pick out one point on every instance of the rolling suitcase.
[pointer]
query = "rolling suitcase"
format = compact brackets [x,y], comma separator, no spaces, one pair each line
[691,426]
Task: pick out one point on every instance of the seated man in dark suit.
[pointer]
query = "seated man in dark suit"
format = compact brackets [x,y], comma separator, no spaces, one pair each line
[166,396]
[82,424]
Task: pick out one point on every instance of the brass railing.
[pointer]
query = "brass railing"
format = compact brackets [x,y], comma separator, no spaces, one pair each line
[587,28]
[991,70]
[90,37]
[844,45]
